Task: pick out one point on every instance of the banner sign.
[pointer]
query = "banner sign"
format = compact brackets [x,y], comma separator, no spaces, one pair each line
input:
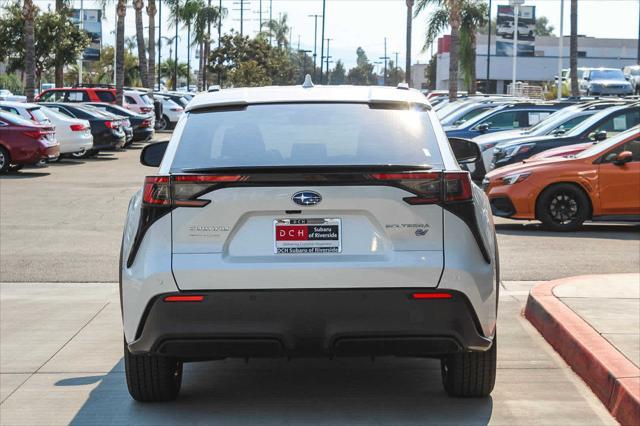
[92,25]
[505,29]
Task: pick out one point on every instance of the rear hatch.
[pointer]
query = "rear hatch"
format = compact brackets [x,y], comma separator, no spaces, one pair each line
[248,213]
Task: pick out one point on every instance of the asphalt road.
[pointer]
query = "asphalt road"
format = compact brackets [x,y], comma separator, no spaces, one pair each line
[63,223]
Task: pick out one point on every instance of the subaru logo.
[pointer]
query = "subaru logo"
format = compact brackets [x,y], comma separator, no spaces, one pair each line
[306,198]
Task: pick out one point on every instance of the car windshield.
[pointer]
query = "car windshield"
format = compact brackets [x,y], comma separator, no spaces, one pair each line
[589,122]
[606,75]
[307,134]
[563,118]
[474,120]
[608,143]
[38,115]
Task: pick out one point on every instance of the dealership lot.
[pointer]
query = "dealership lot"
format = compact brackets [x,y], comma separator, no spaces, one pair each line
[61,358]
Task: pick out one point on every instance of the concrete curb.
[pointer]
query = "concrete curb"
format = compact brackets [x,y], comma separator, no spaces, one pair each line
[611,376]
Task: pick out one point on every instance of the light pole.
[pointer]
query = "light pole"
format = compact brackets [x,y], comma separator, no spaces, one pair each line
[407,71]
[515,4]
[304,62]
[385,58]
[327,58]
[486,89]
[315,44]
[324,14]
[159,39]
[560,50]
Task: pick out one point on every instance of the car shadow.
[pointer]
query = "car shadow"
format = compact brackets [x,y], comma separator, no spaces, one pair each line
[67,162]
[620,231]
[104,157]
[23,175]
[341,391]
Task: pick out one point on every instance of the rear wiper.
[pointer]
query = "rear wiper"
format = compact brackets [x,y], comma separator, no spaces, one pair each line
[309,169]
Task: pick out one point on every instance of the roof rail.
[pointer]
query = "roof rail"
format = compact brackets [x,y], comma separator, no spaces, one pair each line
[90,85]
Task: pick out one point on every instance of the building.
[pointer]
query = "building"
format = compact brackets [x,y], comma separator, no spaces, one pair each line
[538,69]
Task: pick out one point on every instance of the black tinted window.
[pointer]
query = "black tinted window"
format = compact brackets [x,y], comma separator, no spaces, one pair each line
[307,134]
[105,96]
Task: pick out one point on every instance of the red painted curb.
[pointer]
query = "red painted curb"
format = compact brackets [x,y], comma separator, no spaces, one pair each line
[611,376]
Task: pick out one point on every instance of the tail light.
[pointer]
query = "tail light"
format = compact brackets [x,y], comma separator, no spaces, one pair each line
[36,134]
[145,123]
[176,109]
[430,187]
[146,109]
[78,127]
[112,124]
[182,191]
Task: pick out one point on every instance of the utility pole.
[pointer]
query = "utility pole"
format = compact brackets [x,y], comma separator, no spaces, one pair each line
[407,72]
[328,57]
[324,14]
[486,89]
[219,41]
[241,17]
[395,67]
[560,49]
[80,60]
[304,62]
[385,58]
[315,45]
[260,19]
[270,20]
[159,40]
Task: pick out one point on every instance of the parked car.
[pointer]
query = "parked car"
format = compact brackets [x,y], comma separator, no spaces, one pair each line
[600,183]
[468,110]
[6,95]
[78,94]
[598,127]
[28,111]
[563,151]
[279,226]
[108,132]
[606,81]
[73,134]
[632,74]
[138,101]
[558,123]
[178,98]
[170,115]
[506,30]
[506,117]
[142,125]
[24,142]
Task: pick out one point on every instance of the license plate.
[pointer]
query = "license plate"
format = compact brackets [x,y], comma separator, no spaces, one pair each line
[298,236]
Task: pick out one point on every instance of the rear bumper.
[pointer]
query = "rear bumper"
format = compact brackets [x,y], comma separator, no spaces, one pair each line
[143,134]
[316,323]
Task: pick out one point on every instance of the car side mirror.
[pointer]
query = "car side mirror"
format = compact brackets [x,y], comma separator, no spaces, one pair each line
[600,136]
[484,127]
[623,158]
[465,151]
[152,154]
[558,132]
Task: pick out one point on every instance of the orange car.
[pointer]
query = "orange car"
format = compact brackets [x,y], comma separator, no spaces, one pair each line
[600,183]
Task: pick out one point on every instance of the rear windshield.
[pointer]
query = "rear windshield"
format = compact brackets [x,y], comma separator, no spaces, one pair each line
[105,96]
[307,134]
[38,115]
[146,100]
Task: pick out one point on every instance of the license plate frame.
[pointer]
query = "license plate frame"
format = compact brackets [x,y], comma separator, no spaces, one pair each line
[307,236]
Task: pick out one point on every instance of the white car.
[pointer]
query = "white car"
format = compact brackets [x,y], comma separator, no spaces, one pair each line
[28,111]
[6,95]
[171,113]
[138,101]
[308,221]
[74,134]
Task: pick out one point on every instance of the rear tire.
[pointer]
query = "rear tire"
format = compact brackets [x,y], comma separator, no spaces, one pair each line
[152,378]
[470,374]
[563,207]
[5,160]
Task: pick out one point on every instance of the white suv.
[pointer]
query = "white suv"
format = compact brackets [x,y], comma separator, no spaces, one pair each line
[308,221]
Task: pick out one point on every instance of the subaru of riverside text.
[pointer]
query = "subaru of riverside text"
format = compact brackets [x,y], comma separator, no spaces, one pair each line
[309,221]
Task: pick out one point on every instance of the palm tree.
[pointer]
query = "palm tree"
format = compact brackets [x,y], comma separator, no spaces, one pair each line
[279,29]
[61,7]
[446,15]
[474,13]
[408,46]
[121,12]
[207,15]
[29,14]
[151,70]
[142,54]
[167,69]
[188,14]
[573,49]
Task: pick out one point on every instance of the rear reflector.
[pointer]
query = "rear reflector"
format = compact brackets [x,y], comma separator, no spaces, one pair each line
[431,296]
[185,298]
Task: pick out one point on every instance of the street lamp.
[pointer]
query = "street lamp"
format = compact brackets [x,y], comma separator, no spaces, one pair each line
[304,61]
[315,44]
[515,4]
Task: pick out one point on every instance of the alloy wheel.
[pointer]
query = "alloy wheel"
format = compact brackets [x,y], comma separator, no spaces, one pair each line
[563,208]
[2,160]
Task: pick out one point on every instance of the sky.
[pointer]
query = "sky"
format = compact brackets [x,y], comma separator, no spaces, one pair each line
[366,23]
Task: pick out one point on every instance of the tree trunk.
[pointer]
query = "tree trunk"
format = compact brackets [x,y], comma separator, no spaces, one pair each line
[28,13]
[453,62]
[142,54]
[59,73]
[151,73]
[473,84]
[121,11]
[200,67]
[188,55]
[573,49]
[407,72]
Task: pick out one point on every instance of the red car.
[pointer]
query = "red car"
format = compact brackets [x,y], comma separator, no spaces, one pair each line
[25,142]
[78,94]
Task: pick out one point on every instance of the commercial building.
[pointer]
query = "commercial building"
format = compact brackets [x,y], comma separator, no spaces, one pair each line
[540,68]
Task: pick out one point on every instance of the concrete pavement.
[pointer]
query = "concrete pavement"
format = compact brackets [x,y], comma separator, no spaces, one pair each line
[593,322]
[61,363]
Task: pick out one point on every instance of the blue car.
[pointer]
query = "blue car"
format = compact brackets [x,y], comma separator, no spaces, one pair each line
[505,117]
